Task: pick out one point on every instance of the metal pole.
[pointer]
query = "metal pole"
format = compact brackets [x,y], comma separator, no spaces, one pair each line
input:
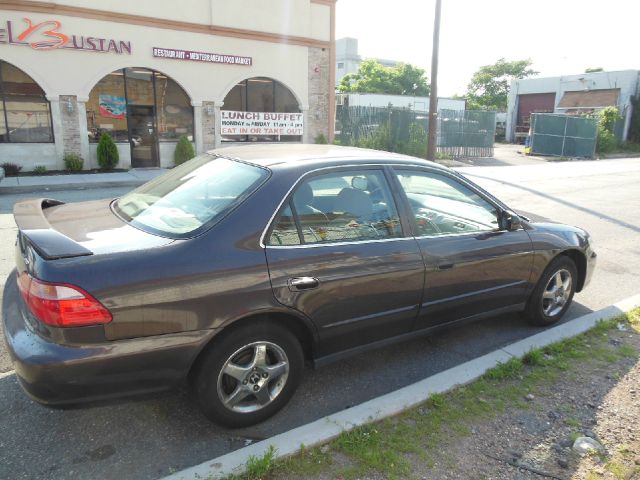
[433,94]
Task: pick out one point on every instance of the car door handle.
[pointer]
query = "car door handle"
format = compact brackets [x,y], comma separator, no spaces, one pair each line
[297,284]
[445,266]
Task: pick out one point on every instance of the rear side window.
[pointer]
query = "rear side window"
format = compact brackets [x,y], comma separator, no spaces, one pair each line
[338,207]
[191,197]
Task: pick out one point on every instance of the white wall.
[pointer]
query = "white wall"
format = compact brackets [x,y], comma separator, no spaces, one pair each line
[30,155]
[288,17]
[401,101]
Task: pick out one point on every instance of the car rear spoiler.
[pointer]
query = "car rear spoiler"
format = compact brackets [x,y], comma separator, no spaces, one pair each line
[48,242]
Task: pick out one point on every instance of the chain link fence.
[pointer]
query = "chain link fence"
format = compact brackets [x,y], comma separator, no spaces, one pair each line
[460,133]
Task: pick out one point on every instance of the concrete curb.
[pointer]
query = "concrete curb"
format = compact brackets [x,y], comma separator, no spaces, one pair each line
[329,427]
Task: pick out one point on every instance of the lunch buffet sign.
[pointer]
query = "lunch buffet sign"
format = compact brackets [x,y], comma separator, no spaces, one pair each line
[261,123]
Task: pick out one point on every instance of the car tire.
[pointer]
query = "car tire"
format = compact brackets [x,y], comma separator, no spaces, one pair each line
[249,374]
[553,293]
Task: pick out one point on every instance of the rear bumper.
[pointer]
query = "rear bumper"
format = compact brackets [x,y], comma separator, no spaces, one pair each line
[56,374]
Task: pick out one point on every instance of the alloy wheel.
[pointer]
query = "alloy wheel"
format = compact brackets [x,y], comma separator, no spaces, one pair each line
[557,292]
[253,377]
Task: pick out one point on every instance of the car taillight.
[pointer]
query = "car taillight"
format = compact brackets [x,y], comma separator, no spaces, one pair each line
[61,305]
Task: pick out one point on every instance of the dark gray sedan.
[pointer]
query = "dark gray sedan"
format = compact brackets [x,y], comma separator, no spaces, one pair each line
[235,268]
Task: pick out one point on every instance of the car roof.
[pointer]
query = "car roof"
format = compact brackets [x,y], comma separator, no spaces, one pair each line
[292,154]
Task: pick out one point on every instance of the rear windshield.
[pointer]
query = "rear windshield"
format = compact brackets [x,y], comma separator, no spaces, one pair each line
[191,197]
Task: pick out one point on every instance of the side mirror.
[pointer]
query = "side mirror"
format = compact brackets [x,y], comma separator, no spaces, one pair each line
[509,221]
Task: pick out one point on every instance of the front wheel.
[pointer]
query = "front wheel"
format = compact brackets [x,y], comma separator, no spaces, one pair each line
[249,374]
[553,294]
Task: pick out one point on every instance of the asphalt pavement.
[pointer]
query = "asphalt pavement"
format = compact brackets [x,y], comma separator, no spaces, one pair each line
[153,436]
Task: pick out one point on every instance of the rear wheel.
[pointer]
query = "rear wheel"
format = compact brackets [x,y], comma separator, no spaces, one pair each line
[249,374]
[553,294]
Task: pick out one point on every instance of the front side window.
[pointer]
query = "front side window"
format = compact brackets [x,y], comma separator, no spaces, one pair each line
[338,207]
[191,197]
[444,206]
[25,114]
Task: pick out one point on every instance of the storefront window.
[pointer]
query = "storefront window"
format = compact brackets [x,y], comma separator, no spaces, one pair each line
[25,113]
[261,94]
[139,105]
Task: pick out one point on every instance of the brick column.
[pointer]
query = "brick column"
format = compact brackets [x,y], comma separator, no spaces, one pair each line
[208,125]
[218,121]
[56,120]
[319,85]
[70,124]
[84,133]
[197,126]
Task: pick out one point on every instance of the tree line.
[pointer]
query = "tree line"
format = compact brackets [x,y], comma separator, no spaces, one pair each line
[487,89]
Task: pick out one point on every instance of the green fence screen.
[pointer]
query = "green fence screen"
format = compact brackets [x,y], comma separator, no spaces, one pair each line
[460,133]
[563,135]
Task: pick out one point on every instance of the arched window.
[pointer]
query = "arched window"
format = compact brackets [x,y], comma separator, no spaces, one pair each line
[25,114]
[261,94]
[140,106]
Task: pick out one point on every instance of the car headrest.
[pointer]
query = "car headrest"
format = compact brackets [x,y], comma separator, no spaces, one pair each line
[355,202]
[303,195]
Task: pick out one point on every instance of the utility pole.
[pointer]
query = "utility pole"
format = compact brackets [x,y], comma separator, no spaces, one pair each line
[433,94]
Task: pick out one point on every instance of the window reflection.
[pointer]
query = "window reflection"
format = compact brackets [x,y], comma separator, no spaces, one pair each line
[25,115]
[110,102]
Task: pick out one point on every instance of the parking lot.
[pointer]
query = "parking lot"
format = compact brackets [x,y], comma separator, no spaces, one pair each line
[153,436]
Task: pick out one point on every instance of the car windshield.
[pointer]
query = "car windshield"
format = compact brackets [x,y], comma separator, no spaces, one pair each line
[191,197]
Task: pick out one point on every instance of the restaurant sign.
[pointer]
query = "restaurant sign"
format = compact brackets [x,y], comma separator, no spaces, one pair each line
[261,123]
[176,54]
[47,35]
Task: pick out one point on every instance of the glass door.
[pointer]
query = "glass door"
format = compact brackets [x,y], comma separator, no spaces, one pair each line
[142,136]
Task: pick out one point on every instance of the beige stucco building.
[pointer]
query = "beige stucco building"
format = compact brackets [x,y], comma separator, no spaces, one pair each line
[149,71]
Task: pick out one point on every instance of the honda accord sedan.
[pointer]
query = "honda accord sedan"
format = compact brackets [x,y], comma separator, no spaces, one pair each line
[234,269]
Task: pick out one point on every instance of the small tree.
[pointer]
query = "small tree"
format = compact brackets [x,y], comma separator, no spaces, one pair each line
[184,151]
[489,86]
[373,77]
[108,156]
[607,119]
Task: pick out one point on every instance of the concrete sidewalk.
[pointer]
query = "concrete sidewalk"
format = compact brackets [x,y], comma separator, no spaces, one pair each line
[133,178]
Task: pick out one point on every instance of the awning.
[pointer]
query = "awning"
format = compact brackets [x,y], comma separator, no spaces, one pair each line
[588,99]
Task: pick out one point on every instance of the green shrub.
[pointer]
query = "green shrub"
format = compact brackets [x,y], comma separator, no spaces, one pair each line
[73,162]
[184,151]
[11,169]
[321,139]
[607,141]
[108,156]
[608,117]
[417,146]
[39,169]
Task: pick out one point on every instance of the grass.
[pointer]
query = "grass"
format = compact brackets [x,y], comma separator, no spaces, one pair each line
[388,447]
[258,467]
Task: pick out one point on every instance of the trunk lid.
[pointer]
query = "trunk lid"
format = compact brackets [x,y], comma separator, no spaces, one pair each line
[58,230]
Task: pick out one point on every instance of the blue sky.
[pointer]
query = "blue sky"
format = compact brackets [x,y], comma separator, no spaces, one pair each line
[559,36]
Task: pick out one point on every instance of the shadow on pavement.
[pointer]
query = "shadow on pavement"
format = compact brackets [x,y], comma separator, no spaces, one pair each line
[561,201]
[152,436]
